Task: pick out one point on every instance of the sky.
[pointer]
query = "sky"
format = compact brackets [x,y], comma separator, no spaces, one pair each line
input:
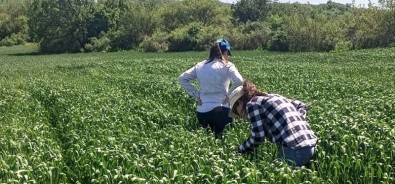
[357,2]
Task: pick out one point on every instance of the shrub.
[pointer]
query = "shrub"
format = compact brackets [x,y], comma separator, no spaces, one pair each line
[155,43]
[278,41]
[59,45]
[14,39]
[342,46]
[186,38]
[252,35]
[98,45]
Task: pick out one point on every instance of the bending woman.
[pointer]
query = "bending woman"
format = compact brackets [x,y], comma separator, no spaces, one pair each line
[277,119]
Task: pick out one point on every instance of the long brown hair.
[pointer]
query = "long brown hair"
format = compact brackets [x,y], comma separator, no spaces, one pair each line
[250,91]
[216,53]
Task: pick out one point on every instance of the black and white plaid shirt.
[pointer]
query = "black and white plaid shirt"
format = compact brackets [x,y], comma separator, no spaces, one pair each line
[280,120]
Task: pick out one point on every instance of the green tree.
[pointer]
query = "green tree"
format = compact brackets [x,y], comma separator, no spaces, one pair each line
[132,25]
[192,24]
[388,4]
[251,10]
[66,25]
[178,14]
[13,24]
[364,28]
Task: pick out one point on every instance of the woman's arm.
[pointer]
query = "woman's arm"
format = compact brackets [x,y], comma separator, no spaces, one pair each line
[257,130]
[301,107]
[186,79]
[237,79]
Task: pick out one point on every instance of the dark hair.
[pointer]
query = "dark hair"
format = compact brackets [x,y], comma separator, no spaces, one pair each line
[250,91]
[215,52]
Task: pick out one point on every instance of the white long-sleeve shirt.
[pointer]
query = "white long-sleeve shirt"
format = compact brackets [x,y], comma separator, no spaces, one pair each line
[214,79]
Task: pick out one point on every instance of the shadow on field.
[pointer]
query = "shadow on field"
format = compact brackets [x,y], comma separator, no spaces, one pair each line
[28,54]
[196,126]
[193,126]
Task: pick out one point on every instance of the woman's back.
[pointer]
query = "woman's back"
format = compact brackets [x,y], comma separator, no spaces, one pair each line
[214,79]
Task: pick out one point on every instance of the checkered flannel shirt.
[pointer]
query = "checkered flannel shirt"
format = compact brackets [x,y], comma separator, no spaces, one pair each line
[279,120]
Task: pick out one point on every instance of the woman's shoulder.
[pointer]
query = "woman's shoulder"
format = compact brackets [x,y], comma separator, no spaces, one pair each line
[201,63]
[229,64]
[216,62]
[261,99]
[257,100]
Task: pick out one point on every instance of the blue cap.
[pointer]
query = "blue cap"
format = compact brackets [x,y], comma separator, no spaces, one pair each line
[224,45]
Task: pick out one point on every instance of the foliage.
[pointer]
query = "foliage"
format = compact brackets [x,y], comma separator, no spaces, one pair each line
[66,26]
[13,25]
[387,28]
[342,46]
[176,14]
[132,25]
[278,41]
[156,43]
[250,10]
[101,44]
[74,25]
[51,25]
[186,38]
[368,28]
[249,36]
[390,4]
[14,39]
[277,36]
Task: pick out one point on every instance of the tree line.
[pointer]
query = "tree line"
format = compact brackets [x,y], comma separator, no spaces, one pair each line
[60,26]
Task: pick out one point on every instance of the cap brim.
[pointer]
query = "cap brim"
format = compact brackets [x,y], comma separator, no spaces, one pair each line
[233,115]
[234,97]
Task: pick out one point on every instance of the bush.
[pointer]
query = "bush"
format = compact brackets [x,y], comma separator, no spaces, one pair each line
[156,43]
[186,38]
[14,39]
[54,45]
[342,46]
[252,35]
[121,40]
[278,41]
[364,29]
[277,38]
[98,45]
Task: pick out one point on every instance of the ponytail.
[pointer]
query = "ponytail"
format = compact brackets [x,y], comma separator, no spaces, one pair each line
[215,53]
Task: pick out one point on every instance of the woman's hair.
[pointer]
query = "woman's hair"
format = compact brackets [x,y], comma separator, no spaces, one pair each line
[215,52]
[250,91]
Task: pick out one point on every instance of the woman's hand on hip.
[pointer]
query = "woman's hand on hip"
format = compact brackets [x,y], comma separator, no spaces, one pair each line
[199,102]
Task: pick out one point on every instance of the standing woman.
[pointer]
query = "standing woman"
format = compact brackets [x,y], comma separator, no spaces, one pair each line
[214,76]
[278,119]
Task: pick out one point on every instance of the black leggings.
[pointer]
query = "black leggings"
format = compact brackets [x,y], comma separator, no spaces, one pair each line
[216,119]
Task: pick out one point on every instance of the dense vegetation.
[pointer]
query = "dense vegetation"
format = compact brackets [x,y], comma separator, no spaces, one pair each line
[172,25]
[123,117]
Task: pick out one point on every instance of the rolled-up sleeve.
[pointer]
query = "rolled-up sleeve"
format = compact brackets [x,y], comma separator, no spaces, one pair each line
[301,107]
[257,130]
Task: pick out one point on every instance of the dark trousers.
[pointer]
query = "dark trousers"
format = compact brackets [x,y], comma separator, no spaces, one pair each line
[216,120]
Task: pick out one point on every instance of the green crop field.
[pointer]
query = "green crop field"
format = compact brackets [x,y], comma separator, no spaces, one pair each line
[123,118]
